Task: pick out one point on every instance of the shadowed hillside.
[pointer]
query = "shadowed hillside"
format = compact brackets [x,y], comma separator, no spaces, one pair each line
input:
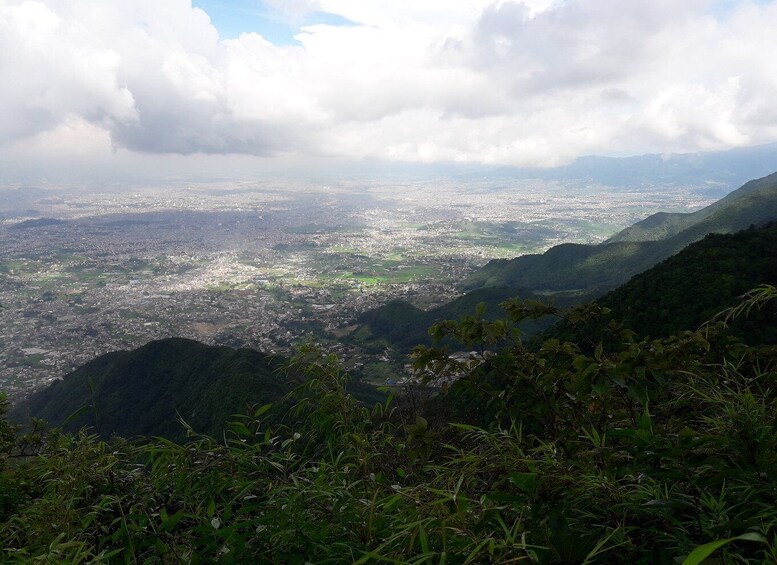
[401,325]
[143,392]
[691,287]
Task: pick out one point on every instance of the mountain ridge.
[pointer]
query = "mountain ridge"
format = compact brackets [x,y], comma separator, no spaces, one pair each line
[572,266]
[663,225]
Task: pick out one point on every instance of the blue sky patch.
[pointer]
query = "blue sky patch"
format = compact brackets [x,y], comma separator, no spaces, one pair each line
[233,17]
[721,9]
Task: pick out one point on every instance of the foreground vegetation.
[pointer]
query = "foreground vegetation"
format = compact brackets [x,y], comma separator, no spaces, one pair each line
[601,448]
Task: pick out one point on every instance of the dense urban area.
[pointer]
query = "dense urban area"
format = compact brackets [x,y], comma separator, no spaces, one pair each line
[265,265]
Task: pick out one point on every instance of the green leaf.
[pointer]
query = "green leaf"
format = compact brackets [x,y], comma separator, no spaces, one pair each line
[423,540]
[76,414]
[261,410]
[392,500]
[597,550]
[169,523]
[107,556]
[240,429]
[420,426]
[475,553]
[703,551]
[527,482]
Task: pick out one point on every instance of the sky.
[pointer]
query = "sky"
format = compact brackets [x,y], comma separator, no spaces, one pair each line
[107,89]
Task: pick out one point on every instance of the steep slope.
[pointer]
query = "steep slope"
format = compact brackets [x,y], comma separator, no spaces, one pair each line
[663,225]
[660,225]
[590,267]
[692,286]
[569,266]
[144,391]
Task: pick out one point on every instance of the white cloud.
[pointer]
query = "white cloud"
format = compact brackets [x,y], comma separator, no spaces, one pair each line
[52,69]
[522,83]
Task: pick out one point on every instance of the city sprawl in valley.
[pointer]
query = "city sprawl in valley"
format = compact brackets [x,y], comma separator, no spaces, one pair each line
[267,265]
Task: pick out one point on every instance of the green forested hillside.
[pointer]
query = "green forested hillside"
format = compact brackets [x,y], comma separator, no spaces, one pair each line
[692,286]
[569,266]
[664,225]
[575,273]
[660,225]
[604,266]
[400,324]
[146,391]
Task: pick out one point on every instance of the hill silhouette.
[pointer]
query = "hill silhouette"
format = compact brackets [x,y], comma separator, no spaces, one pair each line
[145,391]
[663,225]
[149,390]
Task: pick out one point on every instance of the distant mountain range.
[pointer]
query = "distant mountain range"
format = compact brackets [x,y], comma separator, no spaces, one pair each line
[720,171]
[729,168]
[733,167]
